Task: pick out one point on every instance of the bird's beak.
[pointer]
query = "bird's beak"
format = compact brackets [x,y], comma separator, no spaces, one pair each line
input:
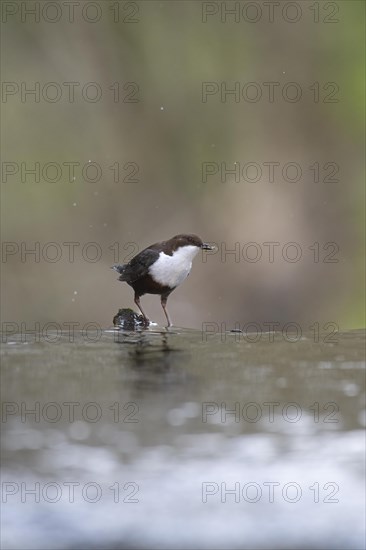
[207,246]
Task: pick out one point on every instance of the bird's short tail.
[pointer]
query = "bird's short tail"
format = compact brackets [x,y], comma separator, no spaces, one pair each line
[120,269]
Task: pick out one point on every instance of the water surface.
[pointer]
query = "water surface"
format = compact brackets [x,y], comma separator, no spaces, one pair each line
[179,439]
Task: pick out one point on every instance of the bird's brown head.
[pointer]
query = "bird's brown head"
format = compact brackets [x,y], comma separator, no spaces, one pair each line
[192,240]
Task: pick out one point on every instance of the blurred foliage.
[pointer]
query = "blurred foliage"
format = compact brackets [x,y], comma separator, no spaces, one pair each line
[168,53]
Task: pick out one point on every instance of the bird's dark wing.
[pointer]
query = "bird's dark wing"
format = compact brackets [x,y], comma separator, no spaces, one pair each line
[138,267]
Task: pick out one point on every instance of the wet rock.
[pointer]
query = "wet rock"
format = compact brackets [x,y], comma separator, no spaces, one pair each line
[128,319]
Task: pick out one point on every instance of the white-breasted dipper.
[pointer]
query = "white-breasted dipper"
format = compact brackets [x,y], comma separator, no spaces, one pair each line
[160,268]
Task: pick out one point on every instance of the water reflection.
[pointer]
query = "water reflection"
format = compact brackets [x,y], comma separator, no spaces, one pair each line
[155,358]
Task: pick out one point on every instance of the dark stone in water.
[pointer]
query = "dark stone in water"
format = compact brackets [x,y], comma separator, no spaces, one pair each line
[128,319]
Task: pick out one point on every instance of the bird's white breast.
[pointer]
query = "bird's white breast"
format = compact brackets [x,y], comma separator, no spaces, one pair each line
[172,270]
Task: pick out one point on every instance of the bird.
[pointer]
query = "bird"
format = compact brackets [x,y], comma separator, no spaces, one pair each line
[160,268]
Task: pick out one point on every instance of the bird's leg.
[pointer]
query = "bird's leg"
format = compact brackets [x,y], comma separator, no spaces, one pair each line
[137,302]
[164,299]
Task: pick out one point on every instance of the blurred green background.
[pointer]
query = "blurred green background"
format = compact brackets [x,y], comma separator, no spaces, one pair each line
[163,137]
